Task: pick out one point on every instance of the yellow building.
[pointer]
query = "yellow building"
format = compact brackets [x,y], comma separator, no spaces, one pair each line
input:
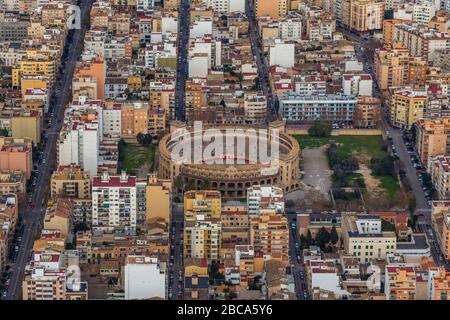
[441,285]
[34,82]
[71,181]
[134,83]
[27,125]
[33,64]
[272,8]
[406,107]
[202,239]
[431,138]
[158,199]
[206,203]
[400,282]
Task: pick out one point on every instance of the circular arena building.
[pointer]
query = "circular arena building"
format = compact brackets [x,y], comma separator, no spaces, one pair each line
[228,158]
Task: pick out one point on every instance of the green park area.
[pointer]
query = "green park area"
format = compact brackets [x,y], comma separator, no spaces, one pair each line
[136,159]
[361,160]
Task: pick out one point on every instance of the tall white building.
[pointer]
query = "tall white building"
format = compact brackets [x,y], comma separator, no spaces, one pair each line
[79,140]
[112,121]
[423,11]
[114,202]
[79,145]
[290,29]
[260,198]
[357,84]
[282,54]
[227,6]
[144,278]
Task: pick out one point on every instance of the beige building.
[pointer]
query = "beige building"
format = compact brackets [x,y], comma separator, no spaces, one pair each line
[158,199]
[206,203]
[439,170]
[202,239]
[255,107]
[431,138]
[58,216]
[269,235]
[27,125]
[391,67]
[406,106]
[364,238]
[12,182]
[235,227]
[272,8]
[71,181]
[368,112]
[363,15]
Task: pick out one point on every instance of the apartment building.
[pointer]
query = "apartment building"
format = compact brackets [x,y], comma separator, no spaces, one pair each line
[400,282]
[158,199]
[134,118]
[364,238]
[79,143]
[290,29]
[260,198]
[391,67]
[144,277]
[368,112]
[58,216]
[362,15]
[235,227]
[205,203]
[440,285]
[273,8]
[406,106]
[431,138]
[388,29]
[336,108]
[114,202]
[47,278]
[357,84]
[9,213]
[16,154]
[309,84]
[255,108]
[12,181]
[70,181]
[202,238]
[269,235]
[320,28]
[445,237]
[196,279]
[420,40]
[94,68]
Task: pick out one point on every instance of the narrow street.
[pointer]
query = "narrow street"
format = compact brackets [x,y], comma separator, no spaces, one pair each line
[182,65]
[176,268]
[33,217]
[298,269]
[258,54]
